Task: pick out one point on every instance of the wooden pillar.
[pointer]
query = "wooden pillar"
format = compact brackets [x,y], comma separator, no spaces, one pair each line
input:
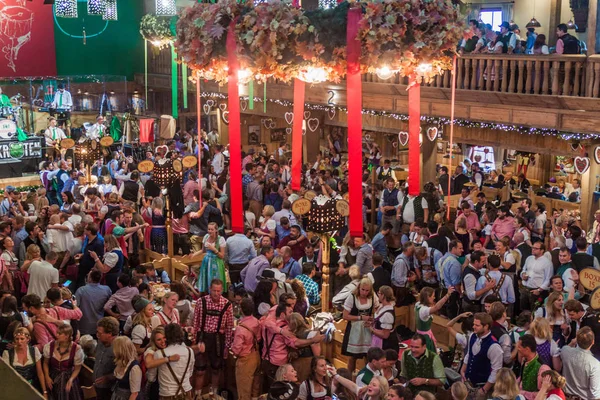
[325,287]
[589,202]
[555,8]
[428,159]
[592,27]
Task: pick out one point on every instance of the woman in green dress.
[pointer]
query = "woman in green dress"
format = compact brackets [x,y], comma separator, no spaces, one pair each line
[212,266]
[425,307]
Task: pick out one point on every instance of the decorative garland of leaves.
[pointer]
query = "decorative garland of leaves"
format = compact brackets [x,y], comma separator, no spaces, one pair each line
[276,40]
[156,29]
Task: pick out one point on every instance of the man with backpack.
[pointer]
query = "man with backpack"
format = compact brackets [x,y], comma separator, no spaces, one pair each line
[566,43]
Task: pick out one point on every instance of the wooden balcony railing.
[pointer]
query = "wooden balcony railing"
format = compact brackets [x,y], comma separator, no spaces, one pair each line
[555,75]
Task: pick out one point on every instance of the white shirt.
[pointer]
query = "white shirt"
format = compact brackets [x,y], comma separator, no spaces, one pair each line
[54,134]
[60,240]
[168,385]
[96,131]
[494,354]
[218,163]
[41,277]
[62,100]
[408,212]
[539,271]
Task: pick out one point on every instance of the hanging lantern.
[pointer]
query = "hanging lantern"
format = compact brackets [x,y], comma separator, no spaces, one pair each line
[533,23]
[110,10]
[166,8]
[95,7]
[66,8]
[572,25]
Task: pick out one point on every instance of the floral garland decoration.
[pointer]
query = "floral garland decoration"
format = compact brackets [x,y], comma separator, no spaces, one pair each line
[157,30]
[276,40]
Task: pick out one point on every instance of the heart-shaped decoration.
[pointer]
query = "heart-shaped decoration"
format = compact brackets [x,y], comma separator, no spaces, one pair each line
[368,137]
[289,117]
[223,106]
[306,114]
[211,103]
[394,144]
[244,105]
[597,154]
[403,138]
[313,124]
[266,123]
[206,109]
[225,116]
[331,113]
[432,133]
[272,125]
[575,146]
[582,164]
[288,131]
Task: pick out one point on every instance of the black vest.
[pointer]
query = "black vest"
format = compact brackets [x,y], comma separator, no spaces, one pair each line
[505,40]
[466,272]
[390,199]
[419,211]
[571,44]
[130,191]
[582,260]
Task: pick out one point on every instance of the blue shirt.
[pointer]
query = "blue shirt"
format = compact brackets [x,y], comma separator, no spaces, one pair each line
[292,268]
[311,288]
[452,270]
[22,234]
[240,249]
[380,246]
[91,299]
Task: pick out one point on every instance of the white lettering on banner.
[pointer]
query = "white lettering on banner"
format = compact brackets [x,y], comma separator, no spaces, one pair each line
[14,150]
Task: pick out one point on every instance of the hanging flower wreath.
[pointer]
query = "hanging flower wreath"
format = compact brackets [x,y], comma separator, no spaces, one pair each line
[275,40]
[157,30]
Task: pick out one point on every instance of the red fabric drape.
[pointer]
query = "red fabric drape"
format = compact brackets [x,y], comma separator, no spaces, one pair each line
[299,88]
[235,140]
[354,89]
[147,130]
[414,149]
[198,113]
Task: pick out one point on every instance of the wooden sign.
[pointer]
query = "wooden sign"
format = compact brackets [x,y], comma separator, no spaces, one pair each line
[189,161]
[177,166]
[310,194]
[145,166]
[301,206]
[342,207]
[107,141]
[595,299]
[67,143]
[590,278]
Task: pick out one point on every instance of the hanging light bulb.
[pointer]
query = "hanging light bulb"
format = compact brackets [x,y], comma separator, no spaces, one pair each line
[572,25]
[385,72]
[424,69]
[166,8]
[110,11]
[313,75]
[66,8]
[244,75]
[95,7]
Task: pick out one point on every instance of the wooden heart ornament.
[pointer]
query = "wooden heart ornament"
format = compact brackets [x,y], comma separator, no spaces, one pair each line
[223,106]
[403,138]
[266,123]
[206,108]
[575,146]
[582,164]
[225,116]
[313,124]
[331,113]
[597,154]
[432,133]
[306,114]
[288,131]
[289,117]
[244,105]
[211,103]
[272,124]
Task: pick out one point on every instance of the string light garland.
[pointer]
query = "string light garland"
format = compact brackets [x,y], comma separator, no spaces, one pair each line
[95,7]
[427,119]
[110,11]
[166,8]
[66,8]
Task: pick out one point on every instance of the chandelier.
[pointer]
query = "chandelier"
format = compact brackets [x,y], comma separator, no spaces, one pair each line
[110,10]
[95,7]
[166,8]
[66,8]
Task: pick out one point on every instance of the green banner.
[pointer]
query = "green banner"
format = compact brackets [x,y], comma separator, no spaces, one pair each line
[174,79]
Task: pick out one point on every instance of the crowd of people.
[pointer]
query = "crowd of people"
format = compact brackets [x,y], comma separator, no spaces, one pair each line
[77,294]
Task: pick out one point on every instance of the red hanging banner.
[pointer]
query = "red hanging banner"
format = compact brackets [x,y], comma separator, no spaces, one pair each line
[299,88]
[199,116]
[414,148]
[354,89]
[235,140]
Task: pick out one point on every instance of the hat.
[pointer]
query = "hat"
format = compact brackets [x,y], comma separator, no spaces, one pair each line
[118,231]
[140,304]
[283,391]
[10,189]
[251,151]
[267,275]
[504,24]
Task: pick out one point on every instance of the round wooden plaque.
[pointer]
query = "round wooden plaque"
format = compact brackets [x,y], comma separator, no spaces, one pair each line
[595,299]
[107,141]
[310,194]
[67,143]
[145,166]
[342,207]
[189,161]
[589,278]
[301,206]
[177,166]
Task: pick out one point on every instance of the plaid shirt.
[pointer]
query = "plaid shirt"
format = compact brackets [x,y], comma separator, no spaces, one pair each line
[212,320]
[311,288]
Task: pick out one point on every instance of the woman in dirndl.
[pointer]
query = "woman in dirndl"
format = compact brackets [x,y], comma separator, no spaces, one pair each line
[127,370]
[384,320]
[158,235]
[425,307]
[358,311]
[11,277]
[213,267]
[25,359]
[62,363]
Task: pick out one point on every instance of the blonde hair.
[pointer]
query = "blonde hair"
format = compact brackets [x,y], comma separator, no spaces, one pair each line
[54,219]
[269,211]
[167,296]
[141,319]
[22,331]
[281,372]
[110,241]
[388,293]
[551,313]
[364,282]
[124,351]
[354,272]
[540,328]
[297,323]
[425,294]
[157,203]
[558,381]
[65,329]
[32,250]
[459,391]
[276,261]
[384,387]
[159,330]
[506,384]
